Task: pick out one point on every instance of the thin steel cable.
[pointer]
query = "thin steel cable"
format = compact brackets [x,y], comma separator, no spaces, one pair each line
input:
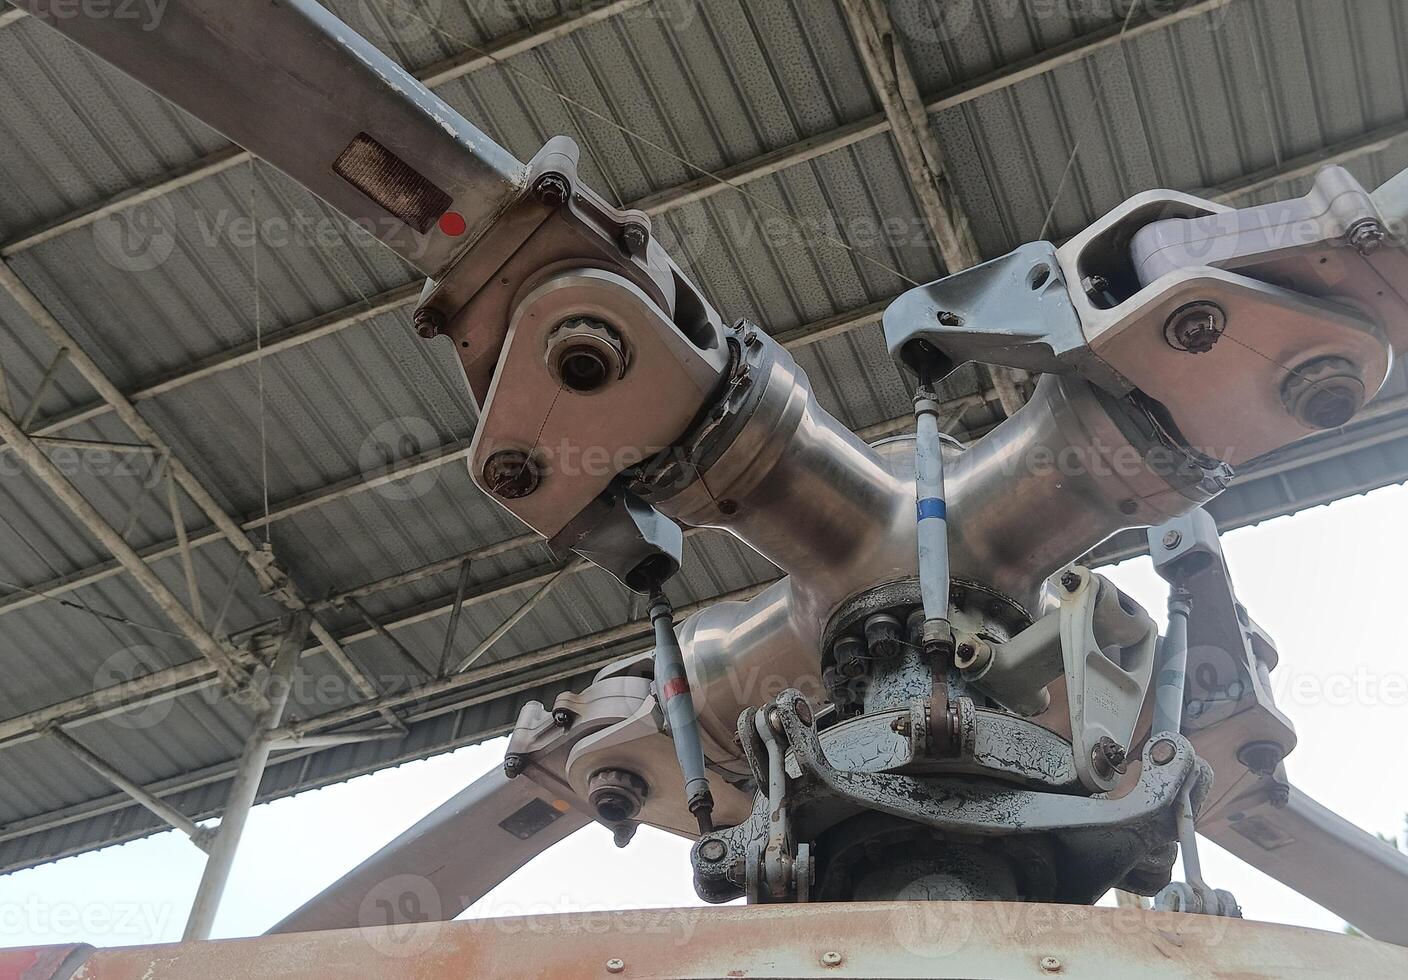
[1094,114]
[1267,110]
[78,602]
[84,607]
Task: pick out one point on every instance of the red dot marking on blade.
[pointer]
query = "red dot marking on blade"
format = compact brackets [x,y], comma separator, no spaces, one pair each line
[452,223]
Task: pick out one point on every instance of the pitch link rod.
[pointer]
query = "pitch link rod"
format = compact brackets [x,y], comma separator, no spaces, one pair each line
[672,688]
[932,515]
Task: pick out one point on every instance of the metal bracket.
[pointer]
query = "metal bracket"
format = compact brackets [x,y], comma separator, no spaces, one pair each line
[1107,644]
[1012,311]
[1230,714]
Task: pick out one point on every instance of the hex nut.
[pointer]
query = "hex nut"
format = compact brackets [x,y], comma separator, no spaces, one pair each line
[585,355]
[1368,236]
[1108,757]
[634,238]
[1195,328]
[552,190]
[429,322]
[510,474]
[616,794]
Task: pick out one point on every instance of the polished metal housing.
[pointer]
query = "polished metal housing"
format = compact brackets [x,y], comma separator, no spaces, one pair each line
[1071,468]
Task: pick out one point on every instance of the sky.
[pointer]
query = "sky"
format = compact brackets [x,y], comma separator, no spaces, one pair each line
[1326,584]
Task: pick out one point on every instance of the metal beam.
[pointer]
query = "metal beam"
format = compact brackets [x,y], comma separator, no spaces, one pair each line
[68,495]
[230,156]
[608,639]
[882,52]
[887,66]
[511,620]
[272,578]
[199,835]
[245,787]
[484,692]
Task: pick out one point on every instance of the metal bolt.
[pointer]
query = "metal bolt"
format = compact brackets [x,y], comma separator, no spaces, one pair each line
[831,958]
[712,850]
[513,765]
[1070,581]
[634,238]
[1368,237]
[1108,757]
[552,190]
[429,322]
[1261,757]
[1050,964]
[562,718]
[1195,328]
[1162,752]
[615,965]
[1193,709]
[1172,539]
[900,725]
[510,474]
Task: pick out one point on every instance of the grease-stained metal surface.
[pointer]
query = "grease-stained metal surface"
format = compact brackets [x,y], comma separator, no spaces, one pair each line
[976,941]
[1238,98]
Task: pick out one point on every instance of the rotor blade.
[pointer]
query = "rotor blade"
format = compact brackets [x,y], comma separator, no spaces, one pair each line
[1324,857]
[299,88]
[447,861]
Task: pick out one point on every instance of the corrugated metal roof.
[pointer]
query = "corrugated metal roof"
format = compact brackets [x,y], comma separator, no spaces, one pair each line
[1239,91]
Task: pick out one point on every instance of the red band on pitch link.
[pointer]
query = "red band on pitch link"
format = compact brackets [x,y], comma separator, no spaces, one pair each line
[674,686]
